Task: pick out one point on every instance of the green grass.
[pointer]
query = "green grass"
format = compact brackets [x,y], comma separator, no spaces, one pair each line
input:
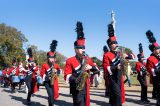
[61,78]
[134,80]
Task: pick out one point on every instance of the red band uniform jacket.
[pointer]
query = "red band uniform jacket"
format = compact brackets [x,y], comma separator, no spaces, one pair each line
[108,59]
[33,79]
[45,68]
[152,63]
[72,64]
[141,69]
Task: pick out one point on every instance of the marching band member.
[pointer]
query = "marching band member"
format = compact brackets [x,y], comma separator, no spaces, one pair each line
[21,74]
[13,75]
[77,71]
[48,72]
[5,78]
[153,66]
[31,79]
[113,67]
[105,76]
[142,72]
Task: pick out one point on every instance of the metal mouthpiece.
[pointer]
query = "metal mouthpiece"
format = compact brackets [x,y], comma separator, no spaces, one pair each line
[84,54]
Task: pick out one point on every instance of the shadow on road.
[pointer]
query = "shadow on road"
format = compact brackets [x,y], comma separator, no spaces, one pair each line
[101,95]
[100,103]
[137,91]
[97,93]
[45,97]
[139,102]
[132,95]
[57,102]
[66,95]
[21,91]
[40,96]
[62,103]
[7,90]
[136,96]
[24,101]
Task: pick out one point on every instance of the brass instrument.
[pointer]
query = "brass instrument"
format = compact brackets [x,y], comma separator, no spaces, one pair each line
[124,65]
[53,76]
[123,62]
[83,75]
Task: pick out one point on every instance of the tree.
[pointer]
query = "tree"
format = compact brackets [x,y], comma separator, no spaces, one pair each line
[11,45]
[125,50]
[61,59]
[41,56]
[97,61]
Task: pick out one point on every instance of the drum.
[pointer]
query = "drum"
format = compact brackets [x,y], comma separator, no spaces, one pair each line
[1,73]
[15,79]
[21,77]
[39,80]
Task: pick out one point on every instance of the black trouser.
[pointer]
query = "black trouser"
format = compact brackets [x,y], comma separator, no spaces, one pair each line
[50,92]
[158,94]
[107,86]
[115,88]
[29,84]
[155,85]
[79,99]
[158,90]
[6,82]
[142,81]
[13,85]
[21,83]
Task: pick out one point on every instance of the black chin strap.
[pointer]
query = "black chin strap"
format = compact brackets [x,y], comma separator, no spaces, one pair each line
[157,56]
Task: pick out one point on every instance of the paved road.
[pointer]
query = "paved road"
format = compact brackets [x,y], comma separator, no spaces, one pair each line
[40,98]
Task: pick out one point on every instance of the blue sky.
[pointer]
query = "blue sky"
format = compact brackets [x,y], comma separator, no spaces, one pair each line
[41,21]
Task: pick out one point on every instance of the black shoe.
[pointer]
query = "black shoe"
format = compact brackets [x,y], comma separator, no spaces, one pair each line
[157,104]
[153,97]
[50,104]
[13,91]
[106,94]
[142,100]
[147,101]
[28,102]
